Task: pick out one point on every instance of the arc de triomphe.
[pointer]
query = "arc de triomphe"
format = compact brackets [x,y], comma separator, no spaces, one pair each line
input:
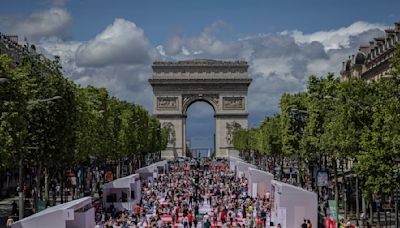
[222,84]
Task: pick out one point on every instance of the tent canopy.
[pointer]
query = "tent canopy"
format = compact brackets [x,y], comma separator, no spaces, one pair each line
[261,171]
[153,167]
[58,214]
[124,182]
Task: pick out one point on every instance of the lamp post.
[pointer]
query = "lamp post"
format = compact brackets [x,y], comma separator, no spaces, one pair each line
[3,80]
[21,167]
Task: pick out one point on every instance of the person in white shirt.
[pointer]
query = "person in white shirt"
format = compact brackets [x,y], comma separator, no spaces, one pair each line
[10,221]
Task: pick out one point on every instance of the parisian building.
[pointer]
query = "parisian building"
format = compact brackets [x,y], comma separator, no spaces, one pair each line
[373,61]
[9,45]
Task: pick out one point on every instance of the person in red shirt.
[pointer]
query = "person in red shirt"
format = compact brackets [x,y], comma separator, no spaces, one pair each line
[260,222]
[137,210]
[189,216]
[223,217]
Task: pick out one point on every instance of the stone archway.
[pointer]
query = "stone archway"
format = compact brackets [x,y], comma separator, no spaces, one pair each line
[222,84]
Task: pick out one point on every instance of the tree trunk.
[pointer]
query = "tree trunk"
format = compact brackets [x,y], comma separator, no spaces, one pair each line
[130,167]
[46,184]
[371,213]
[61,187]
[357,200]
[335,171]
[274,166]
[300,173]
[37,192]
[118,170]
[344,197]
[281,176]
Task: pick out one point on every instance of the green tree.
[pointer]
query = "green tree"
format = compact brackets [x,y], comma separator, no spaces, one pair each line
[380,141]
[292,125]
[270,143]
[16,89]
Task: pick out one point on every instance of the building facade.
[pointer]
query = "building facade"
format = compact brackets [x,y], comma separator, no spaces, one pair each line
[9,46]
[373,61]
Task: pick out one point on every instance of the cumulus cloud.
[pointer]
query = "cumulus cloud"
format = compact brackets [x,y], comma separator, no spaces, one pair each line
[119,58]
[127,82]
[205,44]
[40,24]
[337,38]
[120,43]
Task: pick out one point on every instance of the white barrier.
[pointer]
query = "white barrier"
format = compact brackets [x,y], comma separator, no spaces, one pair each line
[259,182]
[291,205]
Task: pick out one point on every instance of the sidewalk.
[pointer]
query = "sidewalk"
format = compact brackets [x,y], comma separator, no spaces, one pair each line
[5,210]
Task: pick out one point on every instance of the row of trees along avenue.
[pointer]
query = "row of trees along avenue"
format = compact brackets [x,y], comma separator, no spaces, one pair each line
[52,125]
[332,123]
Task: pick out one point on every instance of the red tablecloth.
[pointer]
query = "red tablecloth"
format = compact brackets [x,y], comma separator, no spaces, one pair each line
[166,218]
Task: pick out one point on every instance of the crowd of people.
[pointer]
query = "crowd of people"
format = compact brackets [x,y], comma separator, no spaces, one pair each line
[200,193]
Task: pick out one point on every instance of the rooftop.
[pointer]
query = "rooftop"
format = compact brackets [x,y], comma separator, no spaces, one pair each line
[201,62]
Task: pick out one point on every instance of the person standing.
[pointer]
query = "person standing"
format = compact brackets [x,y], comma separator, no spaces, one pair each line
[14,206]
[304,225]
[309,225]
[9,222]
[137,211]
[207,224]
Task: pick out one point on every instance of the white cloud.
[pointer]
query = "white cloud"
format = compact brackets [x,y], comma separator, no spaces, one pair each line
[205,44]
[118,58]
[40,24]
[120,43]
[336,38]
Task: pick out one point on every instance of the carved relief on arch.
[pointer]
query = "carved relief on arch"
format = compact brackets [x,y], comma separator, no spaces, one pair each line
[233,103]
[167,103]
[230,128]
[187,99]
[171,132]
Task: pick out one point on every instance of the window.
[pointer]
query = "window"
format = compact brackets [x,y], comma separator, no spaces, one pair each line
[112,198]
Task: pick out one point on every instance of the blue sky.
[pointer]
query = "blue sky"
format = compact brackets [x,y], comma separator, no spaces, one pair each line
[162,18]
[112,43]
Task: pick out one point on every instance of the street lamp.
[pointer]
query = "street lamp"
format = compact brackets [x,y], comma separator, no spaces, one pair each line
[331,97]
[388,76]
[21,167]
[3,80]
[44,100]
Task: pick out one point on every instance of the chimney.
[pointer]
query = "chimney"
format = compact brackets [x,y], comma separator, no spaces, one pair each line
[364,49]
[13,38]
[397,25]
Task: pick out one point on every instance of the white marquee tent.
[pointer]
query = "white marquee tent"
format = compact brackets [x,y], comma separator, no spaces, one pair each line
[152,171]
[123,192]
[76,213]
